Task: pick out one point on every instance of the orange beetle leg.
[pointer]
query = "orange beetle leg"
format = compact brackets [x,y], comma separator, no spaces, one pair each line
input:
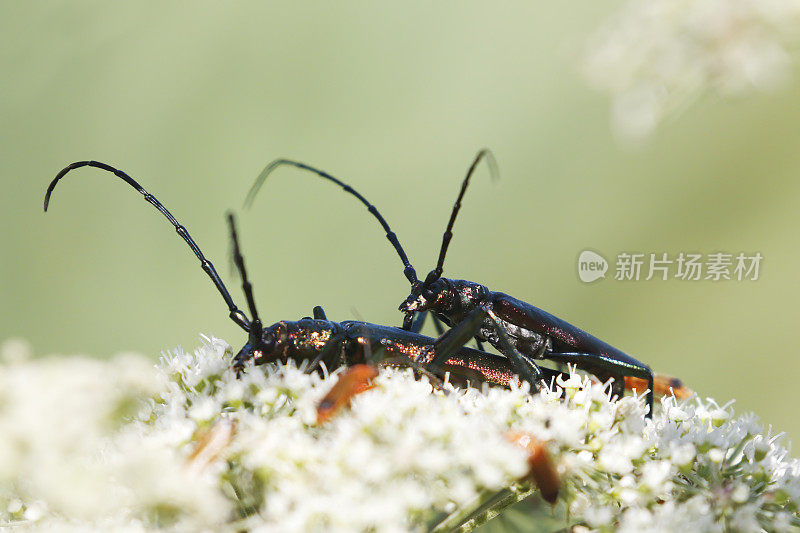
[351,382]
[540,467]
[211,444]
[663,385]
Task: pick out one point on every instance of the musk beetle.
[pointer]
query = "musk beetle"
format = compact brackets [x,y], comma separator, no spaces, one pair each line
[516,328]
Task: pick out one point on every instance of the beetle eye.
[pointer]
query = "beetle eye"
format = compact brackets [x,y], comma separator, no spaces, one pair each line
[267,343]
[433,291]
[268,339]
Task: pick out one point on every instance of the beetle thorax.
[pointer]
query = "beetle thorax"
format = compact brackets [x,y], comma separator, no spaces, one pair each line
[307,338]
[462,298]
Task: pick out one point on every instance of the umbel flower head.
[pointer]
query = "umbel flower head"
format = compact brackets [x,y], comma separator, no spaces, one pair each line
[120,445]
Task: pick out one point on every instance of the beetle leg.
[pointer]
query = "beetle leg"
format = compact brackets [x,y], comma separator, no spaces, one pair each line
[408,321]
[543,351]
[211,444]
[452,340]
[419,321]
[437,324]
[350,383]
[479,344]
[541,469]
[319,313]
[334,343]
[532,373]
[663,385]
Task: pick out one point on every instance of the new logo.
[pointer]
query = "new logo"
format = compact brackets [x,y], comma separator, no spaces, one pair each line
[591,266]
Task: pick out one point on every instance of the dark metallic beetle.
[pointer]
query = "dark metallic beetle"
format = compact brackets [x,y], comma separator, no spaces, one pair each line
[517,329]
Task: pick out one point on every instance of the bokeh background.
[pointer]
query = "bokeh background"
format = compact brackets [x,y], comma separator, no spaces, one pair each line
[194,99]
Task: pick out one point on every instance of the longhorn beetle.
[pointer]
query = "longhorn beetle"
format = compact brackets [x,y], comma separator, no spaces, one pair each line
[516,328]
[319,340]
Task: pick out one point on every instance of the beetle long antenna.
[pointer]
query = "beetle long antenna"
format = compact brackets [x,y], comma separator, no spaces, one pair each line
[409,271]
[448,233]
[239,260]
[235,313]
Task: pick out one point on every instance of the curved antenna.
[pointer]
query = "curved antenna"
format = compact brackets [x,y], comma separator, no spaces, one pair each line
[409,271]
[246,286]
[235,313]
[436,273]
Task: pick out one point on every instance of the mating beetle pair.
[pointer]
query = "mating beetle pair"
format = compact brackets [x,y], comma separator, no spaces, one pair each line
[523,333]
[520,331]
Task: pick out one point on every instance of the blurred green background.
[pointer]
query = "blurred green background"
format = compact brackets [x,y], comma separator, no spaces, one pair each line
[194,99]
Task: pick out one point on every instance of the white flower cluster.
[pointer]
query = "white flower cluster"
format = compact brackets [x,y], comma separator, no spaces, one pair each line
[694,467]
[656,56]
[122,446]
[71,457]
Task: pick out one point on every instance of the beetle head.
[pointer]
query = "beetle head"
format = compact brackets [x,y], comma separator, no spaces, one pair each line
[428,296]
[264,345]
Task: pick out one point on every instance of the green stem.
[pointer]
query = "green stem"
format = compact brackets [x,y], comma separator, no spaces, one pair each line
[484,508]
